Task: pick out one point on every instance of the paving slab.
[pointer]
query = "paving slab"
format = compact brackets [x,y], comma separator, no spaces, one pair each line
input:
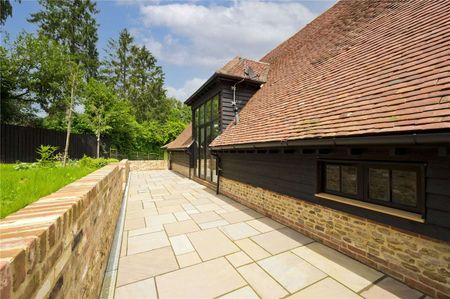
[212,224]
[188,259]
[144,289]
[327,288]
[255,251]
[265,224]
[277,241]
[146,242]
[182,227]
[212,243]
[389,288]
[206,280]
[144,265]
[205,217]
[239,231]
[181,244]
[240,216]
[290,271]
[344,269]
[242,293]
[160,219]
[261,282]
[238,259]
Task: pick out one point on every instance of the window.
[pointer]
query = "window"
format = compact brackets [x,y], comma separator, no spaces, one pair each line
[394,185]
[207,128]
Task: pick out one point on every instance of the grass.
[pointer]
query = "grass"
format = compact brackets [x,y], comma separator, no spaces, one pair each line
[20,188]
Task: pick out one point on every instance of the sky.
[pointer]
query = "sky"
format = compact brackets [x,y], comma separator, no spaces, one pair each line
[192,39]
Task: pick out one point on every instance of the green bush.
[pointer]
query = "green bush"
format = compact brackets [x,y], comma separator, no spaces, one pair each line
[95,163]
[47,156]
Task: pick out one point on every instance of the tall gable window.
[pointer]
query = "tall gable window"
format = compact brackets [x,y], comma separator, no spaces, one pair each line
[398,186]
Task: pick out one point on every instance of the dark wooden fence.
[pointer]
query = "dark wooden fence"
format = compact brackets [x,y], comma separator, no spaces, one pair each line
[20,143]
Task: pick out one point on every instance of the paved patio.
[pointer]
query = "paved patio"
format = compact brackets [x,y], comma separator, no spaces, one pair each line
[180,240]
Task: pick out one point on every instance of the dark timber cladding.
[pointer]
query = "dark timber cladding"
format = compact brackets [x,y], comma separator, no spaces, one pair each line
[295,174]
[181,158]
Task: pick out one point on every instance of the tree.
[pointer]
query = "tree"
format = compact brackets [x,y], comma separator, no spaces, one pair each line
[71,23]
[5,11]
[34,73]
[73,84]
[134,73]
[100,107]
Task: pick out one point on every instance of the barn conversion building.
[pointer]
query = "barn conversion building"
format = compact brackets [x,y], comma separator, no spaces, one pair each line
[342,132]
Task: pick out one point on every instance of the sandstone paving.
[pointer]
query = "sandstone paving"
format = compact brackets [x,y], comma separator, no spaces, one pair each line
[181,240]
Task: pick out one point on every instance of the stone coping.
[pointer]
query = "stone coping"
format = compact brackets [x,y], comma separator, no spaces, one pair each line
[28,235]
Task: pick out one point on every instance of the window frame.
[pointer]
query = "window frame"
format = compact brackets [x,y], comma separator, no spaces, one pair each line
[363,182]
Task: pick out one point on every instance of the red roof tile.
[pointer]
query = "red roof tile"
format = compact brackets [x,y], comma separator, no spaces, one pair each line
[183,141]
[361,68]
[238,66]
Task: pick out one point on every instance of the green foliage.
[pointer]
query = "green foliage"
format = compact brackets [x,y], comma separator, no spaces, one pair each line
[5,11]
[20,188]
[71,23]
[95,163]
[47,156]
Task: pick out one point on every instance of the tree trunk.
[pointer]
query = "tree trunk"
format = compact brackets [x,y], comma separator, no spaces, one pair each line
[69,119]
[98,146]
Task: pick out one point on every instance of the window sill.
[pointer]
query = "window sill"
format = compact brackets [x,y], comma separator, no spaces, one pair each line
[373,207]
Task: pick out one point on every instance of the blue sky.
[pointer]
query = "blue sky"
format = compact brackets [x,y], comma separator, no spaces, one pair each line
[191,39]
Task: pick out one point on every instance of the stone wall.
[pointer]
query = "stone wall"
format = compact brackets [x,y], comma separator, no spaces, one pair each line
[142,165]
[58,246]
[181,169]
[419,261]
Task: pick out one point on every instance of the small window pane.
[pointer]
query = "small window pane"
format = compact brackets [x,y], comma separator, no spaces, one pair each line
[202,114]
[332,178]
[379,184]
[404,187]
[215,108]
[208,112]
[349,179]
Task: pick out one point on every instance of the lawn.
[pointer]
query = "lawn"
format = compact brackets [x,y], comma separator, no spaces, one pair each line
[20,188]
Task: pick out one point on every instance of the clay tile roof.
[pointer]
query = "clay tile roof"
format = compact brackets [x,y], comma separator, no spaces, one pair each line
[238,65]
[362,68]
[183,141]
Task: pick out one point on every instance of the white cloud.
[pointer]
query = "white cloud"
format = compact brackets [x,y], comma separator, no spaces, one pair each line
[189,87]
[210,35]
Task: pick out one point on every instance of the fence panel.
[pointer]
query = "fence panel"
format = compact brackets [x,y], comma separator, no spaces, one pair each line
[20,143]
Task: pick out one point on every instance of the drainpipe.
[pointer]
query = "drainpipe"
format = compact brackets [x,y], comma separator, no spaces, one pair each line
[233,103]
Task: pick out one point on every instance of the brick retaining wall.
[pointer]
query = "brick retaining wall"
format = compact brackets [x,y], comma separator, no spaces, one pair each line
[58,246]
[143,165]
[181,169]
[418,261]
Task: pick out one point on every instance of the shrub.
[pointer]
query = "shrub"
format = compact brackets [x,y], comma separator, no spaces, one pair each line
[95,163]
[47,155]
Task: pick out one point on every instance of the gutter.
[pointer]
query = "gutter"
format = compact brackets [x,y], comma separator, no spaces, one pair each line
[409,139]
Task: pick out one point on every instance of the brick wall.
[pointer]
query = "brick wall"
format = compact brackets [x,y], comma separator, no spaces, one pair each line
[143,165]
[58,246]
[181,169]
[421,262]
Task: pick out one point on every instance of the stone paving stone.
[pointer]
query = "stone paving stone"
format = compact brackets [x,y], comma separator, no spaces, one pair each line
[261,282]
[265,224]
[291,271]
[242,293]
[134,223]
[240,216]
[238,259]
[212,224]
[181,244]
[171,202]
[170,209]
[145,230]
[206,280]
[141,213]
[148,204]
[390,288]
[239,231]
[277,241]
[144,265]
[160,219]
[347,271]
[207,207]
[144,289]
[211,243]
[205,217]
[326,288]
[181,216]
[190,212]
[255,251]
[199,201]
[147,242]
[188,259]
[182,227]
